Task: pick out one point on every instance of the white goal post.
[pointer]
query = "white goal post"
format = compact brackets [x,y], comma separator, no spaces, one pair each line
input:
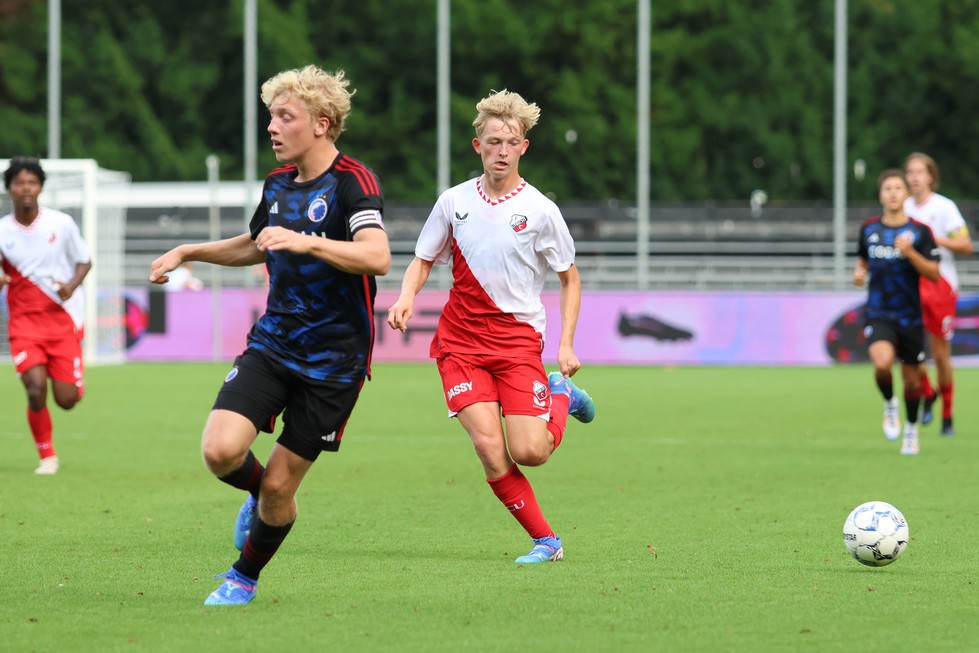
[95,198]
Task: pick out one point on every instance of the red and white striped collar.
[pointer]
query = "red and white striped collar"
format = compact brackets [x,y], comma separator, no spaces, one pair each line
[498,200]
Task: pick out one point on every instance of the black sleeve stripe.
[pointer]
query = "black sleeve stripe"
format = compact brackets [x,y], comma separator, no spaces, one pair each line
[366,179]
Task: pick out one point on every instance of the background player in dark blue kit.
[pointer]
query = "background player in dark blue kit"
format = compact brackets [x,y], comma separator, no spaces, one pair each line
[319,231]
[894,251]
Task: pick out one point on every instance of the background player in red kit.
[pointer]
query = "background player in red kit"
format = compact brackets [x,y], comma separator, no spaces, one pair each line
[502,235]
[938,298]
[44,262]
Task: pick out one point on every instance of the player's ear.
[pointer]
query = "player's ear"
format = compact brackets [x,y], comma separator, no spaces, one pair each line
[321,127]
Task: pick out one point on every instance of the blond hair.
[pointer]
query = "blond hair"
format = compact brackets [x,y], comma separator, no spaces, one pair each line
[324,94]
[508,107]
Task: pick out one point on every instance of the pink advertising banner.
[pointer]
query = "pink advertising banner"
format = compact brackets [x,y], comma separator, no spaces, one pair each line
[633,328]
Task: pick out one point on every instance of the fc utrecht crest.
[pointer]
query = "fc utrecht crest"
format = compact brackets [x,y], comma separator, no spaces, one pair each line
[540,390]
[518,222]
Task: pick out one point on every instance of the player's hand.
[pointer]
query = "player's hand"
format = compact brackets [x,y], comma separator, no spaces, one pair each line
[4,280]
[904,243]
[568,361]
[64,290]
[400,313]
[859,277]
[274,239]
[164,264]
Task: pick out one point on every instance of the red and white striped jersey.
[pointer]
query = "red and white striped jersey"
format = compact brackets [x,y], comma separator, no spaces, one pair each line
[500,250]
[943,216]
[37,258]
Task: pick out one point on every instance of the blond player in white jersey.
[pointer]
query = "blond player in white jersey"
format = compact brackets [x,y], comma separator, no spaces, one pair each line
[44,261]
[937,297]
[501,236]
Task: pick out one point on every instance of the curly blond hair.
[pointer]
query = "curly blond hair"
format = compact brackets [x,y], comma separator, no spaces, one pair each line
[324,94]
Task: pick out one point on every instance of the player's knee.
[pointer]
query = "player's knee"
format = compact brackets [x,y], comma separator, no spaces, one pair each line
[37,397]
[488,447]
[530,453]
[67,403]
[220,457]
[277,490]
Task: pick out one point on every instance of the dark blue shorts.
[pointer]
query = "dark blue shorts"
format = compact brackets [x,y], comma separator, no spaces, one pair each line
[314,413]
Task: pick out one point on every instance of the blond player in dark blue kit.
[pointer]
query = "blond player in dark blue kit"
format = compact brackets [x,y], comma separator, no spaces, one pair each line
[894,251]
[318,229]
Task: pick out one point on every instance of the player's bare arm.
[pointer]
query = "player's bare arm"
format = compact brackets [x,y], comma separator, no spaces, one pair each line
[233,252]
[958,242]
[415,277]
[67,288]
[860,273]
[368,253]
[570,307]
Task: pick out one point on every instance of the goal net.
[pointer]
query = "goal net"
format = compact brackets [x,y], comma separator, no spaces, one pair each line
[96,199]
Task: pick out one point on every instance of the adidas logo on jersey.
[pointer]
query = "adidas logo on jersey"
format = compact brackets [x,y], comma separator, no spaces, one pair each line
[275,208]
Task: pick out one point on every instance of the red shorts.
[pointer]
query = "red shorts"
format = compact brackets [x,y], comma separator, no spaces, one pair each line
[518,385]
[63,357]
[938,307]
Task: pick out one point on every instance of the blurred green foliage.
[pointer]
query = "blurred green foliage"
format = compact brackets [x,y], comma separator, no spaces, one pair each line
[742,92]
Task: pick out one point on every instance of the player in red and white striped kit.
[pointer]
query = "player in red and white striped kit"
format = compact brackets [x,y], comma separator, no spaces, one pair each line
[938,298]
[502,235]
[44,261]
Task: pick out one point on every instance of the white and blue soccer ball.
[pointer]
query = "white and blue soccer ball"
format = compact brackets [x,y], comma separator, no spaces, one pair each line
[875,533]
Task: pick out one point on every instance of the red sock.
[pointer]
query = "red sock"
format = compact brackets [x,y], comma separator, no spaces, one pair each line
[514,491]
[559,417]
[946,391]
[927,391]
[40,423]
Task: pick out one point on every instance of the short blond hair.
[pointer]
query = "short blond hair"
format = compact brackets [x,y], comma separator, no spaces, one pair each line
[508,107]
[324,94]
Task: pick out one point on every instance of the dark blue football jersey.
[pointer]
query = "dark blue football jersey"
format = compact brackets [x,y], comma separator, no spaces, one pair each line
[319,320]
[893,289]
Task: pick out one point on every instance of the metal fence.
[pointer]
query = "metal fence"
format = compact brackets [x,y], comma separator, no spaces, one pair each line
[707,245]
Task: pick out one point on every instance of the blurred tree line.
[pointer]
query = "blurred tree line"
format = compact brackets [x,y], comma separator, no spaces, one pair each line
[742,92]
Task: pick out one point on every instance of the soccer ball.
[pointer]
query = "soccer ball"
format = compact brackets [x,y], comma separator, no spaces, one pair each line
[875,533]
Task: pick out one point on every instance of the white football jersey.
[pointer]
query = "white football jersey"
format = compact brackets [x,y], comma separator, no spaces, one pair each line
[943,216]
[501,250]
[38,256]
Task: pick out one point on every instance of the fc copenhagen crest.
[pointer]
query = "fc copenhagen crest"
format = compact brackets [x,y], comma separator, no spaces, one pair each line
[317,210]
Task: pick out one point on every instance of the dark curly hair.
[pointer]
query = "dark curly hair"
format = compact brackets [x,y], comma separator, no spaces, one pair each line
[20,163]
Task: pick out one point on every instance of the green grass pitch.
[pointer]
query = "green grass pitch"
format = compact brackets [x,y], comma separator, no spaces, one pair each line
[701,511]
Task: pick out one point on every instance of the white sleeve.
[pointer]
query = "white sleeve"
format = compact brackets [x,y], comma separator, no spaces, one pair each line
[555,242]
[435,240]
[75,247]
[952,219]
